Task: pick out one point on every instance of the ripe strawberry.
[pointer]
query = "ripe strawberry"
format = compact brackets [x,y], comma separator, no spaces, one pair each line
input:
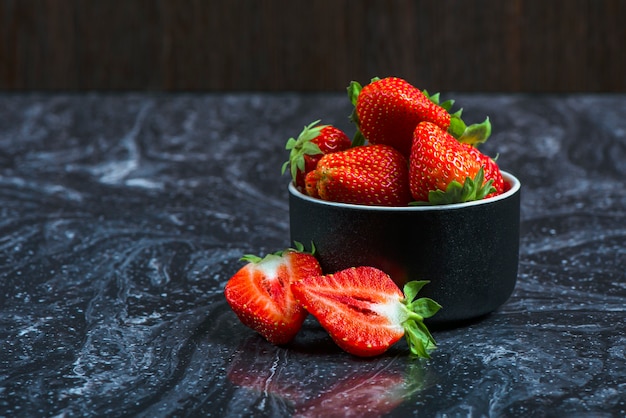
[443,170]
[260,292]
[365,312]
[492,171]
[388,110]
[367,175]
[313,142]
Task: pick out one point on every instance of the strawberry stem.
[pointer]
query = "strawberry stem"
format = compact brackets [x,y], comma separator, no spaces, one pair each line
[476,133]
[302,146]
[417,335]
[354,89]
[297,246]
[471,189]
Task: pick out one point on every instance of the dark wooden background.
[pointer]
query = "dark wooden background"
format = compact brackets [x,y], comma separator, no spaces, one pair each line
[312,45]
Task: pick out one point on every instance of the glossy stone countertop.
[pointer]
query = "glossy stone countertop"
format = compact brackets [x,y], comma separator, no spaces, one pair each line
[123,216]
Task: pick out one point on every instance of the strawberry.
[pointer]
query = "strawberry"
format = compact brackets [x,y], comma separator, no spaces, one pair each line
[443,170]
[492,171]
[366,175]
[365,312]
[260,292]
[313,142]
[388,110]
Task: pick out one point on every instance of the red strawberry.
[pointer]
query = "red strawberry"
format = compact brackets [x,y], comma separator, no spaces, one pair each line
[492,171]
[365,312]
[260,292]
[366,175]
[312,143]
[388,110]
[443,170]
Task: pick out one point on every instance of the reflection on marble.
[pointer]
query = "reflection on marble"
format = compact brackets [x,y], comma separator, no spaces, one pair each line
[123,215]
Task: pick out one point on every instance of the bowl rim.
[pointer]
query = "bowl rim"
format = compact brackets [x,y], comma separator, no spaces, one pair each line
[508,178]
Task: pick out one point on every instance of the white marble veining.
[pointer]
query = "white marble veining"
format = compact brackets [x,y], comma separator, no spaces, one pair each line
[122,216]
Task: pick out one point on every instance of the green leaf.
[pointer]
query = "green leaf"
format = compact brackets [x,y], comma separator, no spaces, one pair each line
[476,133]
[359,139]
[470,190]
[473,134]
[284,167]
[311,148]
[412,288]
[354,89]
[251,258]
[415,341]
[426,337]
[418,337]
[298,246]
[426,307]
[457,126]
[433,98]
[447,105]
[300,147]
[452,194]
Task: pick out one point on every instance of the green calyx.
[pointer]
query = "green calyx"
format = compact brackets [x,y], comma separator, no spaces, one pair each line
[474,134]
[354,89]
[302,146]
[417,335]
[297,246]
[471,189]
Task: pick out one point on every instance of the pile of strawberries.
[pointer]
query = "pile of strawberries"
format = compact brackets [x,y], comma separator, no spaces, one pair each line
[408,149]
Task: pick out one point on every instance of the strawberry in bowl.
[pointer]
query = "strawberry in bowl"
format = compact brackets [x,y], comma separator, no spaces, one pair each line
[468,251]
[458,227]
[410,200]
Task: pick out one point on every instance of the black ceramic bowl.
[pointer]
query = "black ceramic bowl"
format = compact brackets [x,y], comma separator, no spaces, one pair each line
[468,251]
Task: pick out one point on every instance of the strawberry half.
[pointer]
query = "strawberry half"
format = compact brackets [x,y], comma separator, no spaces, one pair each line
[442,170]
[388,110]
[365,312]
[313,142]
[374,175]
[260,292]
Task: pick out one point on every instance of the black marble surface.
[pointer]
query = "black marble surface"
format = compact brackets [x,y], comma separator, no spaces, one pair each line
[123,216]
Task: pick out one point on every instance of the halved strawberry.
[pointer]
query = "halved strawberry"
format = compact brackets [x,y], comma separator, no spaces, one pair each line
[366,175]
[365,312]
[442,170]
[313,142]
[260,292]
